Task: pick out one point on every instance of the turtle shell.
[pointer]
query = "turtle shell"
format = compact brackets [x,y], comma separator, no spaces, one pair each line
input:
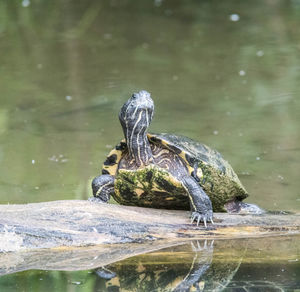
[215,175]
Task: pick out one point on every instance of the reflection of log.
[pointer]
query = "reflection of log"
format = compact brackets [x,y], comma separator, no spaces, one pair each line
[82,223]
[259,250]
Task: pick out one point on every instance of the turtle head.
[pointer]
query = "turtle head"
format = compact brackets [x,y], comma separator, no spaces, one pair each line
[136,114]
[135,117]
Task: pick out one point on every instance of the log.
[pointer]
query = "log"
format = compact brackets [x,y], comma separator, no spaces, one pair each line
[77,223]
[80,235]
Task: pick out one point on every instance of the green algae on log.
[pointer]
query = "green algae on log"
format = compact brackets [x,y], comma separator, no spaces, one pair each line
[82,223]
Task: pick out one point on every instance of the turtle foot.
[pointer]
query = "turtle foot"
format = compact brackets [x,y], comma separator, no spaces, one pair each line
[96,200]
[243,208]
[198,217]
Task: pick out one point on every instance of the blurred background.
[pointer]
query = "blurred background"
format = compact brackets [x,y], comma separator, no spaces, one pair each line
[225,73]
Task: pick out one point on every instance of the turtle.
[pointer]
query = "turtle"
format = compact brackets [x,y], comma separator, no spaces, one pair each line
[167,171]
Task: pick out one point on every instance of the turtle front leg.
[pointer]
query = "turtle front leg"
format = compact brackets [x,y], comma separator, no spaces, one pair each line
[103,188]
[200,202]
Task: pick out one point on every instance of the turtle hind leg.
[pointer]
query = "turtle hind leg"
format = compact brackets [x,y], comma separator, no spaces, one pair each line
[103,188]
[243,208]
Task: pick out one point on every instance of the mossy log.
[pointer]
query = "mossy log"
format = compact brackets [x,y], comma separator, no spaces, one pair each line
[82,223]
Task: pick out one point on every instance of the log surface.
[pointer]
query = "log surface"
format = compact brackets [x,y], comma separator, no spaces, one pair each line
[77,223]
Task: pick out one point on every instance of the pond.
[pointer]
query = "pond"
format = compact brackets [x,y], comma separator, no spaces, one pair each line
[223,73]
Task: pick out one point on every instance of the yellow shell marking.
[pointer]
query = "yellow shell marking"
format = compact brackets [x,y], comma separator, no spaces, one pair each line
[112,169]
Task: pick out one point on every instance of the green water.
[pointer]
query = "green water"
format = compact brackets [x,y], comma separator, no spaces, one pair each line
[66,67]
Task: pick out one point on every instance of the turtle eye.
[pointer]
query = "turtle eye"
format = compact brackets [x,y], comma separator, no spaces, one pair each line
[134,96]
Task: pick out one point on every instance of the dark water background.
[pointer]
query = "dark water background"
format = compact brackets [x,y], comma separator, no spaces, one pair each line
[225,73]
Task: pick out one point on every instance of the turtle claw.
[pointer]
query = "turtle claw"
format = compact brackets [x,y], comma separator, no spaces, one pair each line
[198,220]
[194,215]
[200,217]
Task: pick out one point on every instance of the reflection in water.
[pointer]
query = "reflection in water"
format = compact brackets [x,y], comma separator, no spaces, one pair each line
[197,267]
[265,264]
[201,263]
[164,276]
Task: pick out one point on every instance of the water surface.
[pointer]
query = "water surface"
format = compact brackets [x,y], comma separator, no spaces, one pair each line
[266,264]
